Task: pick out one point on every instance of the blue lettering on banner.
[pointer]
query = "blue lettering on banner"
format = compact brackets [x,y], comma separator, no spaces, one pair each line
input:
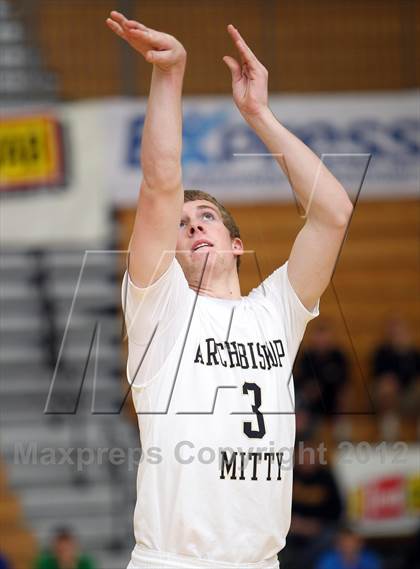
[239,138]
[404,133]
[198,129]
[315,133]
[214,138]
[135,131]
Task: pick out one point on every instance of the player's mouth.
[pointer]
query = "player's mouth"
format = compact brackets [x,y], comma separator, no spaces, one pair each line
[201,244]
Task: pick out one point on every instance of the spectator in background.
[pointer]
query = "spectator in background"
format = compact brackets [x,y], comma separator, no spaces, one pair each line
[64,553]
[412,552]
[321,372]
[396,369]
[397,354]
[4,563]
[316,509]
[305,424]
[349,553]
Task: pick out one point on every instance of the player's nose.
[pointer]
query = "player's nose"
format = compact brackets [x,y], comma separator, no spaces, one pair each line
[194,228]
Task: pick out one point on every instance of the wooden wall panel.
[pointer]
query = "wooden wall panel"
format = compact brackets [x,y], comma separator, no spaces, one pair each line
[307,46]
[78,47]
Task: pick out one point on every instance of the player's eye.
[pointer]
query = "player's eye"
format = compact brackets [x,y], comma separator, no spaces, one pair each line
[182,224]
[208,215]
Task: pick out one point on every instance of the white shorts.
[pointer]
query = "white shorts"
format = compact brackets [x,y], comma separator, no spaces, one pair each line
[142,558]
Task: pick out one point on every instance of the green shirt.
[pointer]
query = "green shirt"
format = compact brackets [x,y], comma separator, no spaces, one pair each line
[48,560]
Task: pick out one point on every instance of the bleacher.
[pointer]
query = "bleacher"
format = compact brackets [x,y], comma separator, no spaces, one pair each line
[55,488]
[22,67]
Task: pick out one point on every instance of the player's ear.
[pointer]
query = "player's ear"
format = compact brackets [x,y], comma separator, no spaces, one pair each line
[237,246]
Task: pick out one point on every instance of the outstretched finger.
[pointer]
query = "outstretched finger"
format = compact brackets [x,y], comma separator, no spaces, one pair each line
[125,23]
[118,17]
[245,52]
[234,67]
[134,25]
[157,40]
[115,27]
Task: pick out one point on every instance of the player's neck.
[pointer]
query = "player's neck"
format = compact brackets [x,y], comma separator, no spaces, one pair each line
[224,286]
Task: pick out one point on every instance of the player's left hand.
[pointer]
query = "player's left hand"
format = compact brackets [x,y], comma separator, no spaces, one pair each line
[249,78]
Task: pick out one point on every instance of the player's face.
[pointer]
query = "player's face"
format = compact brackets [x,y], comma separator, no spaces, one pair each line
[202,234]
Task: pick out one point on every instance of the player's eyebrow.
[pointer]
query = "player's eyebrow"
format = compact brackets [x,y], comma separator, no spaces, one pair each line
[208,207]
[186,216]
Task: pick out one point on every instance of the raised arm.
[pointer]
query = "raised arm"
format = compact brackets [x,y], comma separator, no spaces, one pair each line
[327,206]
[161,193]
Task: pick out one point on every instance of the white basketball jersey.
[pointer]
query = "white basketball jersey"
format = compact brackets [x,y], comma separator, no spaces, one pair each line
[212,386]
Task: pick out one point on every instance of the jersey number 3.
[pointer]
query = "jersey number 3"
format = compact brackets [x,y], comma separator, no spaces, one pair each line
[248,430]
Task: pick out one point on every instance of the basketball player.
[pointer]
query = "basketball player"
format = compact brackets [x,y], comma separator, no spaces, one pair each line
[210,369]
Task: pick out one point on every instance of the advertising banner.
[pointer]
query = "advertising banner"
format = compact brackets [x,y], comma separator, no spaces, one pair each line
[52,186]
[31,149]
[62,167]
[370,139]
[381,485]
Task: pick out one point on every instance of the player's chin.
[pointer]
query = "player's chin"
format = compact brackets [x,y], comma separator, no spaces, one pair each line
[205,261]
[204,253]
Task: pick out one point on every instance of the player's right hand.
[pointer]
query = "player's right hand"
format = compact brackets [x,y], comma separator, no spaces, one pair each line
[163,50]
